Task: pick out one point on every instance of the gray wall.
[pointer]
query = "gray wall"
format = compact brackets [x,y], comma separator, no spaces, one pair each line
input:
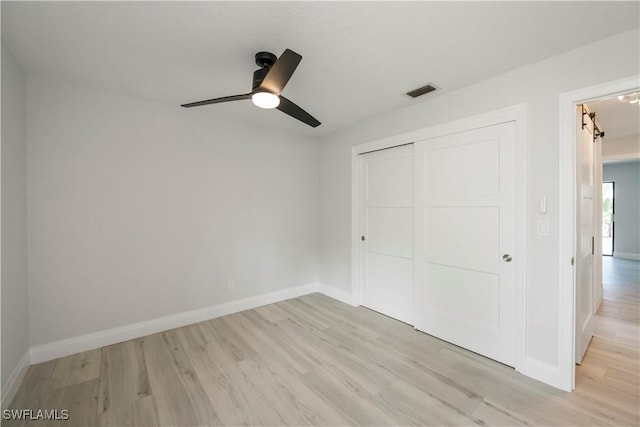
[138,210]
[627,206]
[14,217]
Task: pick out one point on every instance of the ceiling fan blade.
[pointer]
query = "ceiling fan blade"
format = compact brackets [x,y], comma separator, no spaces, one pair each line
[280,73]
[290,108]
[218,100]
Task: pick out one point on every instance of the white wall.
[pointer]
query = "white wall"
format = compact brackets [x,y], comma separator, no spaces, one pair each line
[139,210]
[624,147]
[626,177]
[538,85]
[14,220]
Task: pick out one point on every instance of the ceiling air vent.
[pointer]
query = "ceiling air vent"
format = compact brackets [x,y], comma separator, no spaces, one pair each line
[421,91]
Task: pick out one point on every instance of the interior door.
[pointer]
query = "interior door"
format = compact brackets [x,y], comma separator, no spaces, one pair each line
[585,234]
[386,218]
[465,239]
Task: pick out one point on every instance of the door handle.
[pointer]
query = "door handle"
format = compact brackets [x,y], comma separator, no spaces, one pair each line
[506,258]
[362,238]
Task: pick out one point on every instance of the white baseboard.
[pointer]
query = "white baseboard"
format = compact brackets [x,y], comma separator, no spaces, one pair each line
[335,293]
[626,255]
[599,299]
[544,372]
[15,379]
[99,339]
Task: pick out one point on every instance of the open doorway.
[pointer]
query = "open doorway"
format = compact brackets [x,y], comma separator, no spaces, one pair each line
[619,116]
[608,209]
[570,246]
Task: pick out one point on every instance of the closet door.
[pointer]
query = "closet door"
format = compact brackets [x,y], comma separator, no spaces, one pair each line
[386,221]
[465,239]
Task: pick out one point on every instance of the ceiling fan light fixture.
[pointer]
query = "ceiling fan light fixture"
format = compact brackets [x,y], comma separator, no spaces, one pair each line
[266,100]
[268,82]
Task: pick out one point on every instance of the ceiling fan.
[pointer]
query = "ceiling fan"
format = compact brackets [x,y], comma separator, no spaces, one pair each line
[268,83]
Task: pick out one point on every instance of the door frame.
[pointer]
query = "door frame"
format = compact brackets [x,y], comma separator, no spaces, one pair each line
[517,114]
[613,212]
[567,216]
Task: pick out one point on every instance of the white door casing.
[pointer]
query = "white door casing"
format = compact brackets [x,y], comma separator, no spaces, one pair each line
[386,230]
[585,239]
[597,223]
[465,223]
[565,377]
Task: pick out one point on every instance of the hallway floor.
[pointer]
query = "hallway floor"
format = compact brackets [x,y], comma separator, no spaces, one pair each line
[611,366]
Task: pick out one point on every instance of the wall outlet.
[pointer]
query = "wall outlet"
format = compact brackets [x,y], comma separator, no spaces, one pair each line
[232,285]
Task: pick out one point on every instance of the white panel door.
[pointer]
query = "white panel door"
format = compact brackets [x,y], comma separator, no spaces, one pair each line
[386,218]
[584,236]
[465,239]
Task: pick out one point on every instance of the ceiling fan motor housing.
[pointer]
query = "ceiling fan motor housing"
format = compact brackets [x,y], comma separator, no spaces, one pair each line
[265,59]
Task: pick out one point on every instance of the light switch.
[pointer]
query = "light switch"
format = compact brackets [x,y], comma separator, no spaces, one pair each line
[542,205]
[543,227]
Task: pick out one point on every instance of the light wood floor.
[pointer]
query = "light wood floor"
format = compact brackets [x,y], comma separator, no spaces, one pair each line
[611,367]
[315,361]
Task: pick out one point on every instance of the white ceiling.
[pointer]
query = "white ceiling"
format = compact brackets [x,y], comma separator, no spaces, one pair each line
[359,57]
[617,118]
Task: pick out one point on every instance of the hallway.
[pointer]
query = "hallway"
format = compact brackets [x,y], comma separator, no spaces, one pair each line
[611,365]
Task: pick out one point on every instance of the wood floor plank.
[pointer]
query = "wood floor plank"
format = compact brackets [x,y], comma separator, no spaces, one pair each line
[138,413]
[424,407]
[36,382]
[196,335]
[272,313]
[495,416]
[312,408]
[265,335]
[178,394]
[356,404]
[75,369]
[234,343]
[79,399]
[123,376]
[231,391]
[301,310]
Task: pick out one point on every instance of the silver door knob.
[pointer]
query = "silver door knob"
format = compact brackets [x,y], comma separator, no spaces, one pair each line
[506,258]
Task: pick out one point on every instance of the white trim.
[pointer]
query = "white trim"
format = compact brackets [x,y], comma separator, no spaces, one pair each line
[473,122]
[517,113]
[10,389]
[620,158]
[356,297]
[599,300]
[626,255]
[335,293]
[567,152]
[541,371]
[520,116]
[99,339]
